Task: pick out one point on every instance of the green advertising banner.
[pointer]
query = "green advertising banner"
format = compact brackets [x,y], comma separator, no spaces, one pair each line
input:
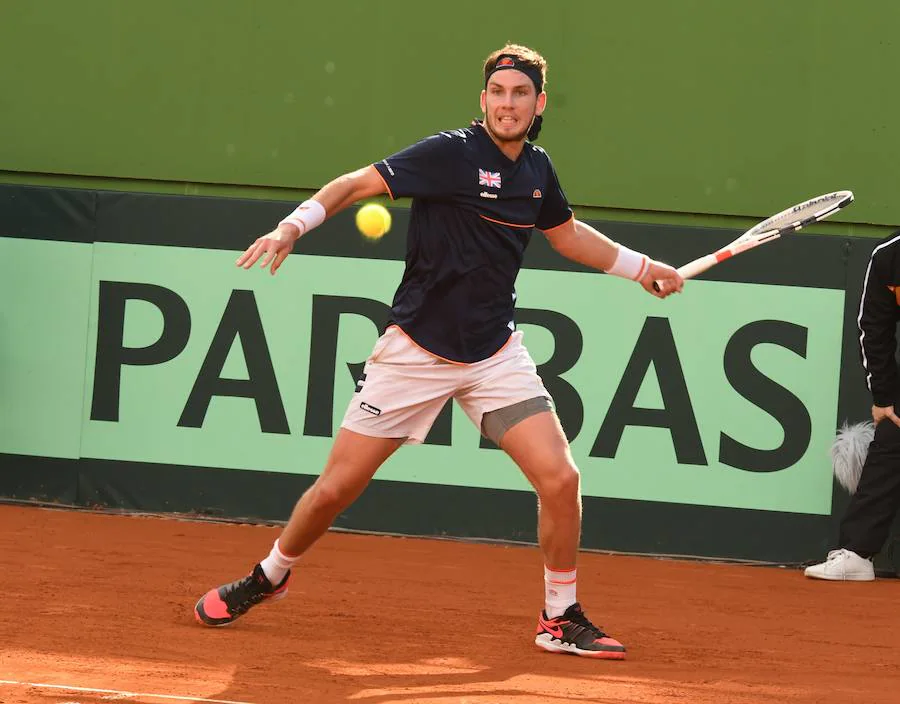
[716,397]
[43,324]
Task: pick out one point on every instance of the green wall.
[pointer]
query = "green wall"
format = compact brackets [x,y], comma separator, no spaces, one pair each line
[692,107]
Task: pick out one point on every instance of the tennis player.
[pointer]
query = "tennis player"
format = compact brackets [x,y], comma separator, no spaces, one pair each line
[477,195]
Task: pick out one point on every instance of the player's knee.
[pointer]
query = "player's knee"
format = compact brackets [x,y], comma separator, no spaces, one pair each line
[329,497]
[562,487]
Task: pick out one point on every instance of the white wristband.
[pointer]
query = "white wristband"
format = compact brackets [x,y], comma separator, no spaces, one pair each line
[630,264]
[306,216]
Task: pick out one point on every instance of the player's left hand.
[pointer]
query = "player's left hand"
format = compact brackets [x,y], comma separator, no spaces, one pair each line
[669,280]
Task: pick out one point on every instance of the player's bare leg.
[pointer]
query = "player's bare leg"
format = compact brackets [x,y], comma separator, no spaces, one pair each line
[351,464]
[539,447]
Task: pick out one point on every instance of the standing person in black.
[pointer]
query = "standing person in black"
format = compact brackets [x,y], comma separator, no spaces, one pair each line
[477,195]
[871,511]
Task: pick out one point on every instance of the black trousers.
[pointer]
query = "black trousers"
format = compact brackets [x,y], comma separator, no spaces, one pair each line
[870,514]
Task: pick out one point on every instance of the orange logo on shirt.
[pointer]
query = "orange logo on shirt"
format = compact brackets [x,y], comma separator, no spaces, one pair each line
[537,193]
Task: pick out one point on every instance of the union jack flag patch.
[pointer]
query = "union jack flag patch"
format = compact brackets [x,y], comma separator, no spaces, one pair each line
[491,179]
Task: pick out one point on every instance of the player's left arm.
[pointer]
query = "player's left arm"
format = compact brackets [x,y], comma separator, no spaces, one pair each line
[578,241]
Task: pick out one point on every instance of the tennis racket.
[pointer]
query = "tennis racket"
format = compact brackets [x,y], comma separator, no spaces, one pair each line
[790,220]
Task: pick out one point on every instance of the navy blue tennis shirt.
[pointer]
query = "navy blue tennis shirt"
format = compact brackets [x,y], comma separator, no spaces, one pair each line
[473,213]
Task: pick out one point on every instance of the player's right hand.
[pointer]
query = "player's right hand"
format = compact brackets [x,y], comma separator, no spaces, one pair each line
[668,279]
[273,248]
[879,413]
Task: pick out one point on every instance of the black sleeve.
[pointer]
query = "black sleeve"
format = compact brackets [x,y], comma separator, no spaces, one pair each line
[423,169]
[877,326]
[555,208]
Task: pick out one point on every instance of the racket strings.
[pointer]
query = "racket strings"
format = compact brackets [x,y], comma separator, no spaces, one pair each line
[809,212]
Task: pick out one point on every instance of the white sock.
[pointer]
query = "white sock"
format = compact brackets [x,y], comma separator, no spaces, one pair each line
[559,591]
[277,564]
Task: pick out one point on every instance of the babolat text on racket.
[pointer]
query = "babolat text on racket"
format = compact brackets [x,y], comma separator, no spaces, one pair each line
[790,220]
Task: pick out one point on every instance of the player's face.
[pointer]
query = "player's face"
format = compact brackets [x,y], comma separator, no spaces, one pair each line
[510,103]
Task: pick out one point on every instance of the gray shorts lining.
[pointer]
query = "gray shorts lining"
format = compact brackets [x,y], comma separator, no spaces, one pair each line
[494,424]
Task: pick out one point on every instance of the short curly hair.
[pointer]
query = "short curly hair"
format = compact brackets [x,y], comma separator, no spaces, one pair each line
[524,55]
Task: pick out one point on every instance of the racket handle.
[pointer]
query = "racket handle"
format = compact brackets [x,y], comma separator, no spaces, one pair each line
[698,266]
[692,269]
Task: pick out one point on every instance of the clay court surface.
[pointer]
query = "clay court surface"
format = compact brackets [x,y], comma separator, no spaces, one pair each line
[97,608]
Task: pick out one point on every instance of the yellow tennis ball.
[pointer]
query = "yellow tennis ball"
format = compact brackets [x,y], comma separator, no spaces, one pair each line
[373,220]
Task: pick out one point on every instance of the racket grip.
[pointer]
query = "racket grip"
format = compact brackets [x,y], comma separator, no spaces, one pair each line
[698,266]
[692,269]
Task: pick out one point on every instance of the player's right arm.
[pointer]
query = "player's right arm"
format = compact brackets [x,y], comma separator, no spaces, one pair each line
[578,241]
[340,193]
[581,243]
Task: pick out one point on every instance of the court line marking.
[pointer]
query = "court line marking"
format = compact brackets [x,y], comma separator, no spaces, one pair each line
[120,693]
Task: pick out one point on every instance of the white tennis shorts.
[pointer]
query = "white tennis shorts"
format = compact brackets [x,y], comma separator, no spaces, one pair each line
[403,388]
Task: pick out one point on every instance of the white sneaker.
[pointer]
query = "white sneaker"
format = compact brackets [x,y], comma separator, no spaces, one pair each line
[843,566]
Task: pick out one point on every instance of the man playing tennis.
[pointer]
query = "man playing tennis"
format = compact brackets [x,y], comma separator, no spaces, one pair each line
[477,193]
